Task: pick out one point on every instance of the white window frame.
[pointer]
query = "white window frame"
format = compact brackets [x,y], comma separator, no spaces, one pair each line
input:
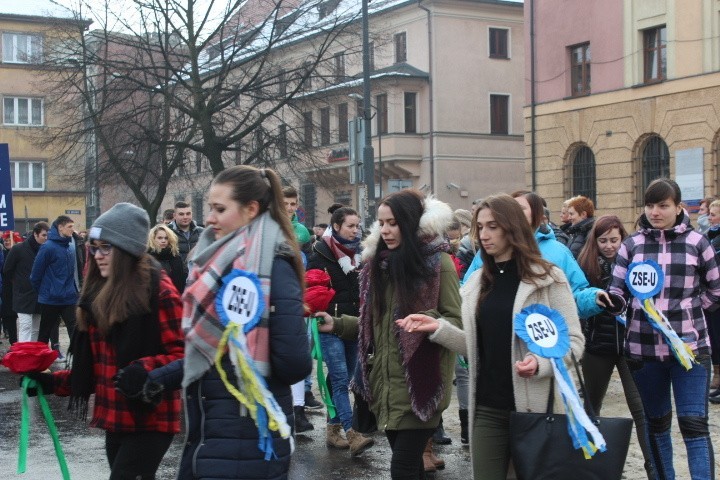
[30,109]
[509,41]
[15,175]
[32,57]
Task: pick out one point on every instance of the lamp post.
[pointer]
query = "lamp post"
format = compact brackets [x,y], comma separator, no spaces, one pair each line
[368,153]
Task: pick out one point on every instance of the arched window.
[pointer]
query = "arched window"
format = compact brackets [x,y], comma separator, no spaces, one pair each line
[655,161]
[583,181]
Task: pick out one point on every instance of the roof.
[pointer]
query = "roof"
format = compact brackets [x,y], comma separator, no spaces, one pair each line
[36,9]
[399,70]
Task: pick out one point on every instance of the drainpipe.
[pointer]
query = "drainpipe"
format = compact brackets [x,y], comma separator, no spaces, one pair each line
[430,98]
[533,165]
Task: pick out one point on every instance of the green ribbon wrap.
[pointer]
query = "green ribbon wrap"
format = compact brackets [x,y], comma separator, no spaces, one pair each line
[25,428]
[317,355]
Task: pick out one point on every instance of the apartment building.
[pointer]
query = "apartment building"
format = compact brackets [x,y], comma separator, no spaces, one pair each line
[624,91]
[447,88]
[40,191]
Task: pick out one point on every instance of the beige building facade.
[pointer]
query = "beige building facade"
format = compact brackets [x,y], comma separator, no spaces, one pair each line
[446,97]
[654,112]
[39,191]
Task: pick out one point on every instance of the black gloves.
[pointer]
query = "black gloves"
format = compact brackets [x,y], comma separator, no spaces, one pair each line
[130,380]
[46,381]
[618,306]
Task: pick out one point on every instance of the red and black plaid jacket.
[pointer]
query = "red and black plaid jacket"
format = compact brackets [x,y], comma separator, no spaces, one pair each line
[111,410]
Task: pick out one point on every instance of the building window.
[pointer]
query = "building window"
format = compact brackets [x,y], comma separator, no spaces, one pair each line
[580,70]
[308,128]
[282,140]
[498,43]
[382,113]
[27,175]
[499,118]
[654,43]
[339,67]
[410,112]
[308,198]
[325,126]
[282,83]
[584,173]
[197,206]
[655,161]
[400,47]
[21,48]
[22,111]
[342,115]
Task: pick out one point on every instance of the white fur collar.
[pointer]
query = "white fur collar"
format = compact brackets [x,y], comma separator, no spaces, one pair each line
[436,218]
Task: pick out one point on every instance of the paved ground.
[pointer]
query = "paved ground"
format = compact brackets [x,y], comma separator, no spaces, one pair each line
[86,458]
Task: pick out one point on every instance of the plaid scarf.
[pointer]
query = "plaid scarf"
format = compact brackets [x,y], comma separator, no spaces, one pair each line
[251,248]
[347,253]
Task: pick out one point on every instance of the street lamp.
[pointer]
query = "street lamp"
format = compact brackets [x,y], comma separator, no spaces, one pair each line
[368,153]
[358,97]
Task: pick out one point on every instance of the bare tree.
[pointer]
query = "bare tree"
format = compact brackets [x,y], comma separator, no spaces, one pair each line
[159,82]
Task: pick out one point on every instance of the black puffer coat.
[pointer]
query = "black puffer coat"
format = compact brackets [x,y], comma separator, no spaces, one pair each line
[173,266]
[220,443]
[578,235]
[604,335]
[347,288]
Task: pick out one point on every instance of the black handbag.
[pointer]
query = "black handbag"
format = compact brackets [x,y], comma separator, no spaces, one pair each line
[541,447]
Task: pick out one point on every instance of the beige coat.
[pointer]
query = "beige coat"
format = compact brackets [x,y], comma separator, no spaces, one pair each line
[530,393]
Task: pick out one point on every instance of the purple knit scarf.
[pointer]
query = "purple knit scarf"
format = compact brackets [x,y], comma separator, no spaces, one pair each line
[420,356]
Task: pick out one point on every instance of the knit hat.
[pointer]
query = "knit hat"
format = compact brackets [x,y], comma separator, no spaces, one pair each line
[463,216]
[125,226]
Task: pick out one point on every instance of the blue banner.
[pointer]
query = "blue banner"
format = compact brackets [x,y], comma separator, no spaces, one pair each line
[7,217]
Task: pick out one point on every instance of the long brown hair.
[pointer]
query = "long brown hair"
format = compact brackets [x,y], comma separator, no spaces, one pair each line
[263,186]
[588,258]
[508,215]
[123,294]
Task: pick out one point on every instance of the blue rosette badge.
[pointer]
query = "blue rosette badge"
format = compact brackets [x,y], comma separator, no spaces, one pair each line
[240,304]
[644,280]
[545,332]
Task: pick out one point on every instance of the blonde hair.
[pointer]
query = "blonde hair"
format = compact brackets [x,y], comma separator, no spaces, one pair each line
[172,239]
[714,204]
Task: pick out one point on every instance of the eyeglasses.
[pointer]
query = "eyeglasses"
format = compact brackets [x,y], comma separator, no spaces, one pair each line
[105,249]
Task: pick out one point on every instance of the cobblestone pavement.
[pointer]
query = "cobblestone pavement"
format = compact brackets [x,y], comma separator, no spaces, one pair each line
[84,447]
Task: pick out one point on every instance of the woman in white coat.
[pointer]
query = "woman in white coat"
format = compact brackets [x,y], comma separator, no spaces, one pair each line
[504,375]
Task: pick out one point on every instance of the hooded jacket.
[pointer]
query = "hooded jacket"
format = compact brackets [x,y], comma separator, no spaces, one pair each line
[185,244]
[557,253]
[391,399]
[53,272]
[692,283]
[578,235]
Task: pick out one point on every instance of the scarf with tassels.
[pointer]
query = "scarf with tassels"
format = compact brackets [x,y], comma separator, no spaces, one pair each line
[420,356]
[209,336]
[347,252]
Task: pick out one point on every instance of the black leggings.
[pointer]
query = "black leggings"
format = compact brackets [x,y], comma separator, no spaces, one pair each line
[407,450]
[135,455]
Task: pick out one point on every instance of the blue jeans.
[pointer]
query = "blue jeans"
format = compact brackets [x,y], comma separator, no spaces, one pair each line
[340,356]
[690,390]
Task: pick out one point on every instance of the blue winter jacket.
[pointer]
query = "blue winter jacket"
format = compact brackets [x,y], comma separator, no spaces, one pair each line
[222,443]
[557,253]
[53,272]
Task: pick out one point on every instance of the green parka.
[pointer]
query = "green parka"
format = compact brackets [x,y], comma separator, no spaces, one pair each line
[390,397]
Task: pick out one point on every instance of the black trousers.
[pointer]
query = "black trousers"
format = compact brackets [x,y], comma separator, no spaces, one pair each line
[50,318]
[136,455]
[407,450]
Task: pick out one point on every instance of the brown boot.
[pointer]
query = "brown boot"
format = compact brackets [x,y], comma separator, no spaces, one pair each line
[334,437]
[429,456]
[428,463]
[358,442]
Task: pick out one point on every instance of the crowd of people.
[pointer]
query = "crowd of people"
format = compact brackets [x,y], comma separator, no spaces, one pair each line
[424,300]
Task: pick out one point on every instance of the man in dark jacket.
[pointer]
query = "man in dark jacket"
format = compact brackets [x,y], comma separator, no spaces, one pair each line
[186,230]
[17,269]
[53,276]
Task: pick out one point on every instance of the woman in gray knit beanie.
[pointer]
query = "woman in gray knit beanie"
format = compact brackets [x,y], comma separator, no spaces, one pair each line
[129,323]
